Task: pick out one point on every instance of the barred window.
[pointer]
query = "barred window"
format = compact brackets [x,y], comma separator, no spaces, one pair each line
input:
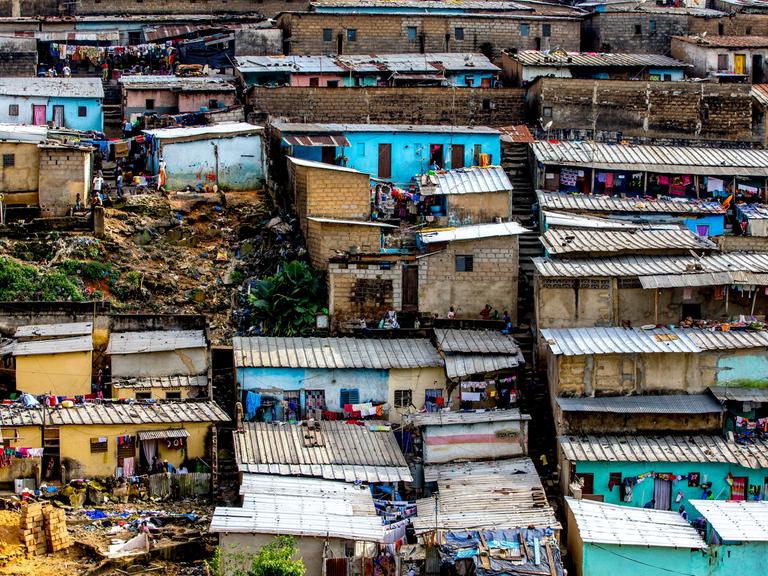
[403,398]
[98,445]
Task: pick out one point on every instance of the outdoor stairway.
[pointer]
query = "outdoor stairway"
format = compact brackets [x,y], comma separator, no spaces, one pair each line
[112,105]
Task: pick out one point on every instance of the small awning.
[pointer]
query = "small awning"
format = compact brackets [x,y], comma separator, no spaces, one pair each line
[317,140]
[79,36]
[425,77]
[163,434]
[685,280]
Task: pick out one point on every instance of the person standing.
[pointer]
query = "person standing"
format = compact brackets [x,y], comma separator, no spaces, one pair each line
[119,182]
[98,183]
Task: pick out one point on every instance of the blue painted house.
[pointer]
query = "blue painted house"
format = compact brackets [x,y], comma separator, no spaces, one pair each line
[391,152]
[288,379]
[665,472]
[230,155]
[609,540]
[74,103]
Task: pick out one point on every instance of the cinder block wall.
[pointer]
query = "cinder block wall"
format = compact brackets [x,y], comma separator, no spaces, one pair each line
[460,106]
[363,290]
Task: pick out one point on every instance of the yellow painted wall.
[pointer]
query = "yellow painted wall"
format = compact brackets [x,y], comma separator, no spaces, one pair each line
[418,380]
[67,374]
[29,437]
[23,176]
[76,446]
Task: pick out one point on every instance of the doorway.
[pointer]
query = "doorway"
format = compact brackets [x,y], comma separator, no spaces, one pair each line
[436,155]
[662,493]
[758,74]
[38,114]
[457,156]
[314,403]
[385,161]
[58,116]
[740,64]
[410,299]
[51,453]
[339,43]
[328,154]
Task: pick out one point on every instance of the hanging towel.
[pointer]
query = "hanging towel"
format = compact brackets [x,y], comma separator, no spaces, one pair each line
[252,403]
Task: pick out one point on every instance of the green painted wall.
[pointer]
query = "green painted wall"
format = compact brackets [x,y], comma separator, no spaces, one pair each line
[612,560]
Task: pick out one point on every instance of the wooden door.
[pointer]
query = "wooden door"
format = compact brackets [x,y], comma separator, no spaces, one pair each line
[410,297]
[457,156]
[740,64]
[385,161]
[38,114]
[336,566]
[329,154]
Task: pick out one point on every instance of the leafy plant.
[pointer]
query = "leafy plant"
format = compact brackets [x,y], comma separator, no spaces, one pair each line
[58,286]
[287,303]
[88,270]
[20,281]
[276,559]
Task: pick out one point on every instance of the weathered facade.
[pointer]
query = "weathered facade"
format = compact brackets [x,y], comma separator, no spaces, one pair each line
[646,111]
[724,57]
[363,288]
[18,57]
[470,106]
[175,95]
[64,174]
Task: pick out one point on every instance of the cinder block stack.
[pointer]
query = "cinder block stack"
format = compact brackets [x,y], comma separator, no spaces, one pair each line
[56,533]
[32,527]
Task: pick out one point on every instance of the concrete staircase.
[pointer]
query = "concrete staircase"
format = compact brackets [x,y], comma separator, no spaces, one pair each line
[113,108]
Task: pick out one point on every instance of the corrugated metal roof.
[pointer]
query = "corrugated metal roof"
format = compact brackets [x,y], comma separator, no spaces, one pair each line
[52,87]
[714,41]
[54,346]
[650,449]
[516,133]
[477,341]
[336,140]
[295,127]
[426,4]
[616,340]
[54,330]
[155,341]
[736,521]
[582,221]
[460,365]
[222,130]
[156,33]
[485,495]
[334,353]
[669,159]
[291,64]
[301,507]
[116,413]
[472,232]
[179,83]
[601,523]
[686,280]
[163,434]
[373,223]
[321,165]
[731,340]
[668,404]
[429,62]
[760,93]
[736,394]
[73,36]
[148,383]
[596,59]
[338,451]
[474,180]
[560,241]
[22,133]
[600,203]
[640,266]
[461,418]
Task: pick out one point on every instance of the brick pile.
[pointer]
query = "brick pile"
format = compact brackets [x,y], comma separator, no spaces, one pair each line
[43,529]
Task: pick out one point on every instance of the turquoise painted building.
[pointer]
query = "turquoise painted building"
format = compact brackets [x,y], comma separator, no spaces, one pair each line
[74,103]
[391,152]
[610,540]
[671,471]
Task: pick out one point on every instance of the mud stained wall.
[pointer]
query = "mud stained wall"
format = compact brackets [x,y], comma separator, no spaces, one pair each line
[479,208]
[190,361]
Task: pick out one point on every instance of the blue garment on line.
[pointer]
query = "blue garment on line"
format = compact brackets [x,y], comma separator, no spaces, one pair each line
[252,403]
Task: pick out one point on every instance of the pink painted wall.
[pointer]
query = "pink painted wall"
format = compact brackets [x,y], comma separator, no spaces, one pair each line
[193,101]
[303,79]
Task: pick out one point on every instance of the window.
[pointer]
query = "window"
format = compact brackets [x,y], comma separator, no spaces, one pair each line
[722,62]
[458,33]
[9,160]
[749,30]
[332,83]
[13,110]
[361,149]
[126,448]
[464,263]
[149,104]
[469,81]
[433,399]
[651,25]
[546,30]
[327,34]
[349,396]
[173,395]
[134,38]
[547,112]
[525,29]
[314,81]
[720,29]
[351,34]
[638,29]
[412,33]
[143,395]
[403,398]
[99,445]
[82,111]
[667,77]
[588,483]
[213,104]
